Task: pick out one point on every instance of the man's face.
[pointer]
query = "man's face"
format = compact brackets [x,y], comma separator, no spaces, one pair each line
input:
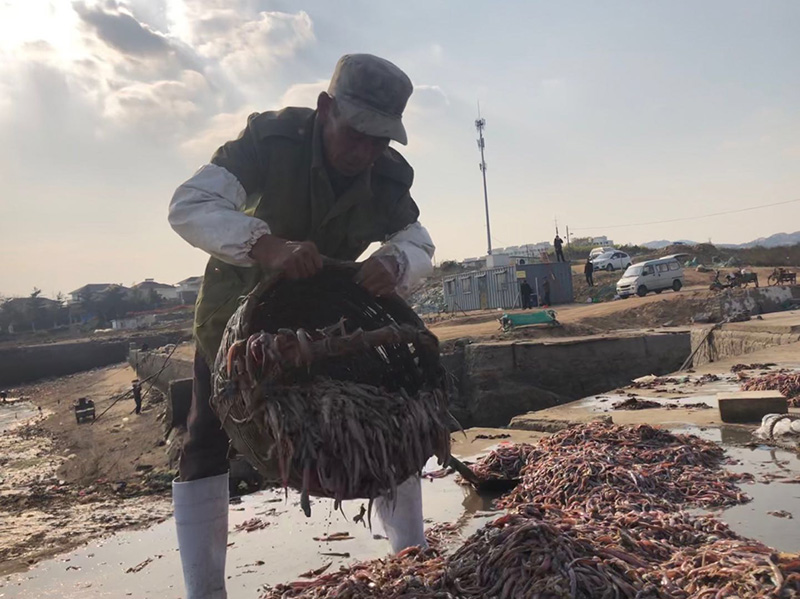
[347,151]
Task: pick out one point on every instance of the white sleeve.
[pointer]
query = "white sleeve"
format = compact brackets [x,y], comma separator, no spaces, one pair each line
[207,212]
[414,250]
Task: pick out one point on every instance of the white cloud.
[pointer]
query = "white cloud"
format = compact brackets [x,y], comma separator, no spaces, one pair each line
[250,50]
[220,128]
[303,94]
[161,108]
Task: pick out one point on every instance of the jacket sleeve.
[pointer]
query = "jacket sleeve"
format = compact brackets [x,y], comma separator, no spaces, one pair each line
[207,212]
[413,248]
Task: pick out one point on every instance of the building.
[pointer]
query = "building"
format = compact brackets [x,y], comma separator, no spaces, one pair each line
[164,291]
[92,291]
[498,287]
[188,289]
[473,263]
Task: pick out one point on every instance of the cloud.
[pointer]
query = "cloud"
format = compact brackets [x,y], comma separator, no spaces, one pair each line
[161,108]
[119,29]
[304,94]
[220,128]
[428,97]
[248,50]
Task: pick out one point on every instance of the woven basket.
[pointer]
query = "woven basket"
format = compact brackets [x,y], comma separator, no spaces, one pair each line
[355,405]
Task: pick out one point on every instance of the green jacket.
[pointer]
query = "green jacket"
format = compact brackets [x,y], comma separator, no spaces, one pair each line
[279,162]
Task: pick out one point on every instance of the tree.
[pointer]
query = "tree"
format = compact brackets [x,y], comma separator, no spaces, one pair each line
[112,304]
[34,308]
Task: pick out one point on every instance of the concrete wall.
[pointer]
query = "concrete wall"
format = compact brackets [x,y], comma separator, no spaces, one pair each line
[760,300]
[724,343]
[148,363]
[492,382]
[25,364]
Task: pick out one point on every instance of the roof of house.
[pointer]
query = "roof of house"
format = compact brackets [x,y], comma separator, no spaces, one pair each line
[23,301]
[151,284]
[191,281]
[95,288]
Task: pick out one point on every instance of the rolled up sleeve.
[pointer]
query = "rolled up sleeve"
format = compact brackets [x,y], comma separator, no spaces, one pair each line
[413,248]
[206,211]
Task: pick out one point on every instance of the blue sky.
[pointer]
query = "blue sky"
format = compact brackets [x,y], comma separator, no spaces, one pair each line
[599,114]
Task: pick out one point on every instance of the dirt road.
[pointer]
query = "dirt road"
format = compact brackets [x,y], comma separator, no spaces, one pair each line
[591,318]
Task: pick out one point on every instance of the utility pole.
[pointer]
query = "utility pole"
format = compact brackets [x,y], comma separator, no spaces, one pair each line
[567,235]
[479,125]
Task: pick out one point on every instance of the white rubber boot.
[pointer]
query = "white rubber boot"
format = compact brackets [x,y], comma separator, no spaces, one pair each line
[402,520]
[201,517]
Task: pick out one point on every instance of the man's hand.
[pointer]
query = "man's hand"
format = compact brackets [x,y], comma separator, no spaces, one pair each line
[297,259]
[379,275]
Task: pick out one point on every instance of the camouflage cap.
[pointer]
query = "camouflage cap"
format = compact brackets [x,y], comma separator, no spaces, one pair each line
[371,94]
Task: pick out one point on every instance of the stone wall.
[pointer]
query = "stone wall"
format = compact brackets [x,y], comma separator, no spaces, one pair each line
[492,382]
[29,363]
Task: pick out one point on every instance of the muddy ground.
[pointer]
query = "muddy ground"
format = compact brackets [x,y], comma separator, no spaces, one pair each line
[62,483]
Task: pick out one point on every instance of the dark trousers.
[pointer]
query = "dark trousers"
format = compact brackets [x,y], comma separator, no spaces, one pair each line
[526,301]
[590,279]
[546,298]
[138,409]
[560,255]
[205,445]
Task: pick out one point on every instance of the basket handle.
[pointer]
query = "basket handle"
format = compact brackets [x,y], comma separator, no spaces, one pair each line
[343,264]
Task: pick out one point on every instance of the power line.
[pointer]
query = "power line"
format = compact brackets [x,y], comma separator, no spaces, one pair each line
[675,220]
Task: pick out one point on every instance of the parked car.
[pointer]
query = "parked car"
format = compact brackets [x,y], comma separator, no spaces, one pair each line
[600,251]
[609,261]
[652,275]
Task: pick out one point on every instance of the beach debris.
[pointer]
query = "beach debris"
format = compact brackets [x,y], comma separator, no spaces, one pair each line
[337,536]
[755,366]
[492,436]
[504,463]
[781,514]
[139,567]
[359,517]
[251,525]
[706,378]
[317,572]
[787,383]
[634,403]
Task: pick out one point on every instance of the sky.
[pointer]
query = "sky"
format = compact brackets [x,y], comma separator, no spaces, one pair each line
[598,114]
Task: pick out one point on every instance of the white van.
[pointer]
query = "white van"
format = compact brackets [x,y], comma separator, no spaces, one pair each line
[653,275]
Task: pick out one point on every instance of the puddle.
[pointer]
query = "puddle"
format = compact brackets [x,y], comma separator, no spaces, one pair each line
[751,519]
[286,546]
[14,414]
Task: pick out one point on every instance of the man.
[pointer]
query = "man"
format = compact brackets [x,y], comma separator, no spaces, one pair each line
[296,185]
[136,388]
[546,291]
[558,243]
[525,291]
[588,270]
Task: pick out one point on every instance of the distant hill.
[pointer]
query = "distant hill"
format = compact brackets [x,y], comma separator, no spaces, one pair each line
[777,240]
[773,241]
